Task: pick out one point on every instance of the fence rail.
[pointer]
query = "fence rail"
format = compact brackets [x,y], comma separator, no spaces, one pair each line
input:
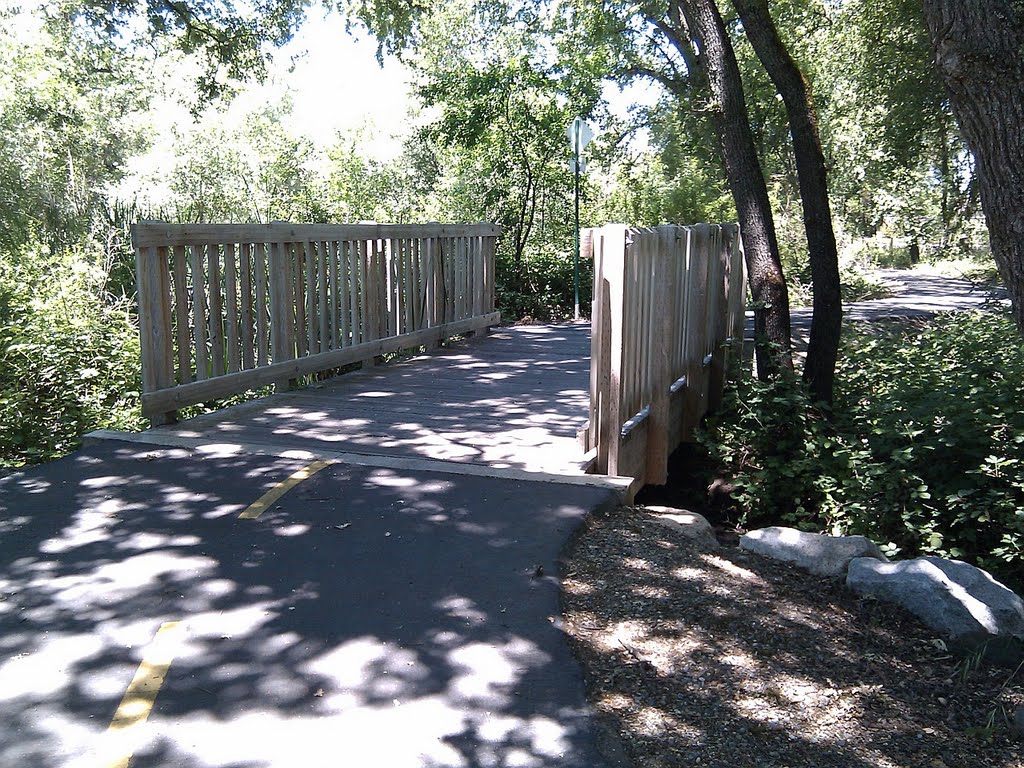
[668,311]
[228,308]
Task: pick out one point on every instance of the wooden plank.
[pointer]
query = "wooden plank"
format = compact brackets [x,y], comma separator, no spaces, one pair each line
[613,268]
[720,321]
[247,298]
[312,313]
[406,282]
[154,296]
[597,321]
[223,386]
[323,301]
[216,316]
[199,313]
[355,277]
[696,377]
[430,292]
[417,294]
[231,307]
[161,234]
[658,445]
[391,267]
[297,269]
[331,249]
[263,336]
[344,287]
[181,316]
[282,293]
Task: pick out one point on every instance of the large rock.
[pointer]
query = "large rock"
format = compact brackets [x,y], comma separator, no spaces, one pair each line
[970,609]
[689,525]
[814,552]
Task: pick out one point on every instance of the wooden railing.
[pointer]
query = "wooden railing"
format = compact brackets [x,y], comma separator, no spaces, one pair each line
[668,311]
[228,308]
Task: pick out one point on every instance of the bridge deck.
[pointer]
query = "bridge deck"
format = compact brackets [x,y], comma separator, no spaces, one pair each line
[511,399]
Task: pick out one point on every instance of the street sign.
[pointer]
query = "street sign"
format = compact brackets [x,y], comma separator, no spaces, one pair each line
[579,134]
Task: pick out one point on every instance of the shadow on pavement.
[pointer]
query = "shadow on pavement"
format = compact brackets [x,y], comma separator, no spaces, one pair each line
[369,616]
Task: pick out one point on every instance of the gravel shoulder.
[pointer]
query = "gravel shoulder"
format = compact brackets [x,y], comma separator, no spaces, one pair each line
[723,658]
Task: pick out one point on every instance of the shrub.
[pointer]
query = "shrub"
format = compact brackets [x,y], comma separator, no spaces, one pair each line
[922,453]
[69,356]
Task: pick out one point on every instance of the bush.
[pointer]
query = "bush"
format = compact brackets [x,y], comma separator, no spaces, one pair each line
[69,356]
[923,452]
[542,286]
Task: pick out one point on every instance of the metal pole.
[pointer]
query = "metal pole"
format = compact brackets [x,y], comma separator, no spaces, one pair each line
[576,259]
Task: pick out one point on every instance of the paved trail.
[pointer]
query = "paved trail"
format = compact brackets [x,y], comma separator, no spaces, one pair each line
[915,294]
[162,606]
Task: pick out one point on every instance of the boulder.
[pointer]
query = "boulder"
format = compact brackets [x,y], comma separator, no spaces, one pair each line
[689,525]
[814,552]
[971,610]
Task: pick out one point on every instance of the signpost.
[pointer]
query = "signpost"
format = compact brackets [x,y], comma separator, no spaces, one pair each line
[579,134]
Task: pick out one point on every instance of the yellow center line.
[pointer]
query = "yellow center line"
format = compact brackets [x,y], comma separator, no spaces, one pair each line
[124,734]
[259,506]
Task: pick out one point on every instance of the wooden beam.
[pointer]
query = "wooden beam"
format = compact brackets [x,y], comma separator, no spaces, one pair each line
[150,234]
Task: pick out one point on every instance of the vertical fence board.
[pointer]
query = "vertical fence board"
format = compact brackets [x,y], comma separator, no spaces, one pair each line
[181,315]
[246,289]
[356,279]
[199,313]
[262,305]
[216,315]
[323,307]
[154,292]
[614,271]
[231,306]
[661,371]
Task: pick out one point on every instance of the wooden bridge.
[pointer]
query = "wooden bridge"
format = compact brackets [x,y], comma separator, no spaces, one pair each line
[231,308]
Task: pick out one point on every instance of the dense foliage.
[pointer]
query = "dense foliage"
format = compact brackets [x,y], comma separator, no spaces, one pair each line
[924,451]
[69,355]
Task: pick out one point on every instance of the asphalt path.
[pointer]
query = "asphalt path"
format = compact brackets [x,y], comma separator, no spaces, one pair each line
[155,612]
[915,294]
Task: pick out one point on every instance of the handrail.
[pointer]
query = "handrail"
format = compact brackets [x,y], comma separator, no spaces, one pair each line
[227,308]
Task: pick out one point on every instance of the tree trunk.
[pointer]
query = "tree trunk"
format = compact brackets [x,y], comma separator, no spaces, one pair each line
[827,320]
[979,50]
[746,181]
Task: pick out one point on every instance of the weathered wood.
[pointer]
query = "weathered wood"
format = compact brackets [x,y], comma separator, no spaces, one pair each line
[665,303]
[216,316]
[312,316]
[614,269]
[661,371]
[181,315]
[231,307]
[153,280]
[322,297]
[199,313]
[255,297]
[160,234]
[263,339]
[720,323]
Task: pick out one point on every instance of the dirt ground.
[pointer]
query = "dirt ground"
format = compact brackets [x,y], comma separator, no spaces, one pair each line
[698,657]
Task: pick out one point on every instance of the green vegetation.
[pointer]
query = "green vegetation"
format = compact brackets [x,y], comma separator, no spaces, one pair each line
[923,451]
[69,355]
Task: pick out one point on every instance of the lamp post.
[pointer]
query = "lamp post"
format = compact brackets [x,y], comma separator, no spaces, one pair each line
[579,134]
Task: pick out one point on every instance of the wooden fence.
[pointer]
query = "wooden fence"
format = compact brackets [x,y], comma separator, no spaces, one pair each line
[668,311]
[228,308]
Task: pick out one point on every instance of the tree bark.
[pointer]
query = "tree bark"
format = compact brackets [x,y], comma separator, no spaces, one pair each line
[979,50]
[827,320]
[768,290]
